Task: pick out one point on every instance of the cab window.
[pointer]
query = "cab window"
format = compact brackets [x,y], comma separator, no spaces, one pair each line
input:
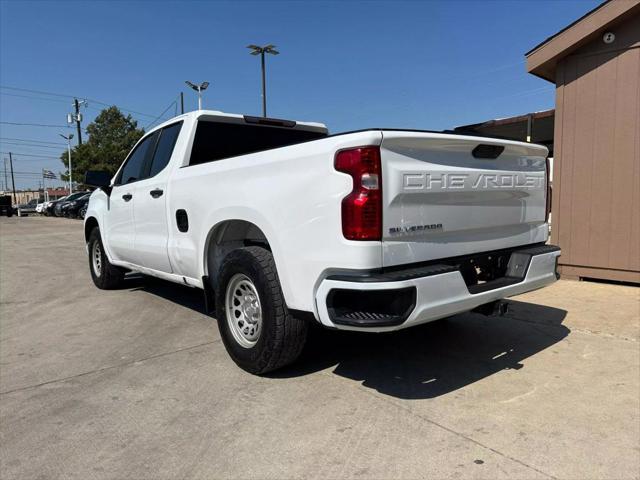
[164,149]
[133,167]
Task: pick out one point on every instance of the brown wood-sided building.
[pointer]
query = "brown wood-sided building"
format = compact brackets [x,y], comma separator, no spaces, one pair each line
[595,65]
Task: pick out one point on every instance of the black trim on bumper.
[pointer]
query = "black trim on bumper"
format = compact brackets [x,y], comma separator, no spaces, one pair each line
[393,276]
[411,271]
[371,308]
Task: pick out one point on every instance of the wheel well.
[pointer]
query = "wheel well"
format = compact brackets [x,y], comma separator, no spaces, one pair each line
[227,236]
[89,225]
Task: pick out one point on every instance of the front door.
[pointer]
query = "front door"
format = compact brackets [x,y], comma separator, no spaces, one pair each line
[119,219]
[119,222]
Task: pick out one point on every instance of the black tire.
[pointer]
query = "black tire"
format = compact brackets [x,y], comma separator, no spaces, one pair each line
[109,276]
[282,337]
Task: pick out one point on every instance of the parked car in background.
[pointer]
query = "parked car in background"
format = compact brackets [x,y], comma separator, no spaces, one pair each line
[29,207]
[5,205]
[57,209]
[70,209]
[83,210]
[40,206]
[48,208]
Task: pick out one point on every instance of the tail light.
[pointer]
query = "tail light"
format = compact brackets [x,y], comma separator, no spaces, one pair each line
[362,208]
[548,191]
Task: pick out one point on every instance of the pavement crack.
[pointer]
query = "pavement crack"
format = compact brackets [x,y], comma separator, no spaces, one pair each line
[409,410]
[110,367]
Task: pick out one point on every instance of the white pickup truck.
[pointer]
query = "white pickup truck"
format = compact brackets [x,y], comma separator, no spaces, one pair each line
[282,224]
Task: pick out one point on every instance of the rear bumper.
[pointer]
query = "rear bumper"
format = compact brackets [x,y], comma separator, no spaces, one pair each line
[404,298]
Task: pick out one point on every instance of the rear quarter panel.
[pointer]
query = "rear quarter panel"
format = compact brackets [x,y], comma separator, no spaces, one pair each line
[293,194]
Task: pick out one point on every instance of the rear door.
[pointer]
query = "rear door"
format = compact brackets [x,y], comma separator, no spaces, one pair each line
[150,209]
[450,195]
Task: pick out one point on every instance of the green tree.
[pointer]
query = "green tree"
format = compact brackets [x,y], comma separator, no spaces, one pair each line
[111,136]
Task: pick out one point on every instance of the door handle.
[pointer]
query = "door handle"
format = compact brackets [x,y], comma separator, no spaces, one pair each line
[127,196]
[156,193]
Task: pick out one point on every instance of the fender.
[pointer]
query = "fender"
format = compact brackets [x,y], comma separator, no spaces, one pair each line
[219,217]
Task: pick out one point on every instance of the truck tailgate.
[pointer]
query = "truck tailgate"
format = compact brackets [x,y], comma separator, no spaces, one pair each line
[450,195]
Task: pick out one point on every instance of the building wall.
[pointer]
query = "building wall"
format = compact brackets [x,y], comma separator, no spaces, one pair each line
[596,201]
[24,196]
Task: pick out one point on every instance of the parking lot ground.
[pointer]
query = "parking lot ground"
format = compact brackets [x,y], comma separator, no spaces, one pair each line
[136,383]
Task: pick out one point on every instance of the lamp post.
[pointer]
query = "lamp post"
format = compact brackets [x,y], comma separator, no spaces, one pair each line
[68,139]
[257,50]
[198,88]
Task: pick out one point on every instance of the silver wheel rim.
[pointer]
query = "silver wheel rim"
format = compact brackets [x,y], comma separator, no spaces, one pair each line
[96,258]
[244,311]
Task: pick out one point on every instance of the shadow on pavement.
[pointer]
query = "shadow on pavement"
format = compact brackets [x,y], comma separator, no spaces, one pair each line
[437,358]
[182,295]
[417,363]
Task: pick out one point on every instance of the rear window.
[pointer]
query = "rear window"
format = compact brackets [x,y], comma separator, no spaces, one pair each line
[216,140]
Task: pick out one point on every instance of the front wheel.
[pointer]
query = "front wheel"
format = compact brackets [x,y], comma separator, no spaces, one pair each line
[105,275]
[255,325]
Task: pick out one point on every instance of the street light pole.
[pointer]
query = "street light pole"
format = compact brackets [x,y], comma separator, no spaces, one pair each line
[257,50]
[198,88]
[13,181]
[68,139]
[264,86]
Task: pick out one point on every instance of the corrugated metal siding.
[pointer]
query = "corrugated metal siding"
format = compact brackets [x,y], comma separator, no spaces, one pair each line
[596,204]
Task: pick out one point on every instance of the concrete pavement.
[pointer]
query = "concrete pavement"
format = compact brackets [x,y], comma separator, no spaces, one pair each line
[135,383]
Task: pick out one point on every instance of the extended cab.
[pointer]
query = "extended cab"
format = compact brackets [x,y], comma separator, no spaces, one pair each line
[282,224]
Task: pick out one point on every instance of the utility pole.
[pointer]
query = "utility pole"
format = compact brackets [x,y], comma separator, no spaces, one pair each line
[6,183]
[256,50]
[13,182]
[181,102]
[78,119]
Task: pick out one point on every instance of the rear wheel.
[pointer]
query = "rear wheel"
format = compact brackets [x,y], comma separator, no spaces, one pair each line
[255,325]
[105,275]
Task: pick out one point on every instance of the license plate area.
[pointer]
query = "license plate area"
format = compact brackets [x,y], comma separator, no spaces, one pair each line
[493,270]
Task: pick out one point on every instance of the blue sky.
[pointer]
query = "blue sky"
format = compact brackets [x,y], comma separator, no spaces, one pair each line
[351,65]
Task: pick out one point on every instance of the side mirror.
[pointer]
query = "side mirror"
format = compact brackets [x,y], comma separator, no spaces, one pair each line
[97,178]
[100,179]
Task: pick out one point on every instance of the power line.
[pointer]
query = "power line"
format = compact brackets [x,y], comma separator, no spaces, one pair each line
[30,155]
[32,98]
[74,97]
[526,93]
[32,145]
[33,140]
[34,125]
[163,112]
[41,92]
